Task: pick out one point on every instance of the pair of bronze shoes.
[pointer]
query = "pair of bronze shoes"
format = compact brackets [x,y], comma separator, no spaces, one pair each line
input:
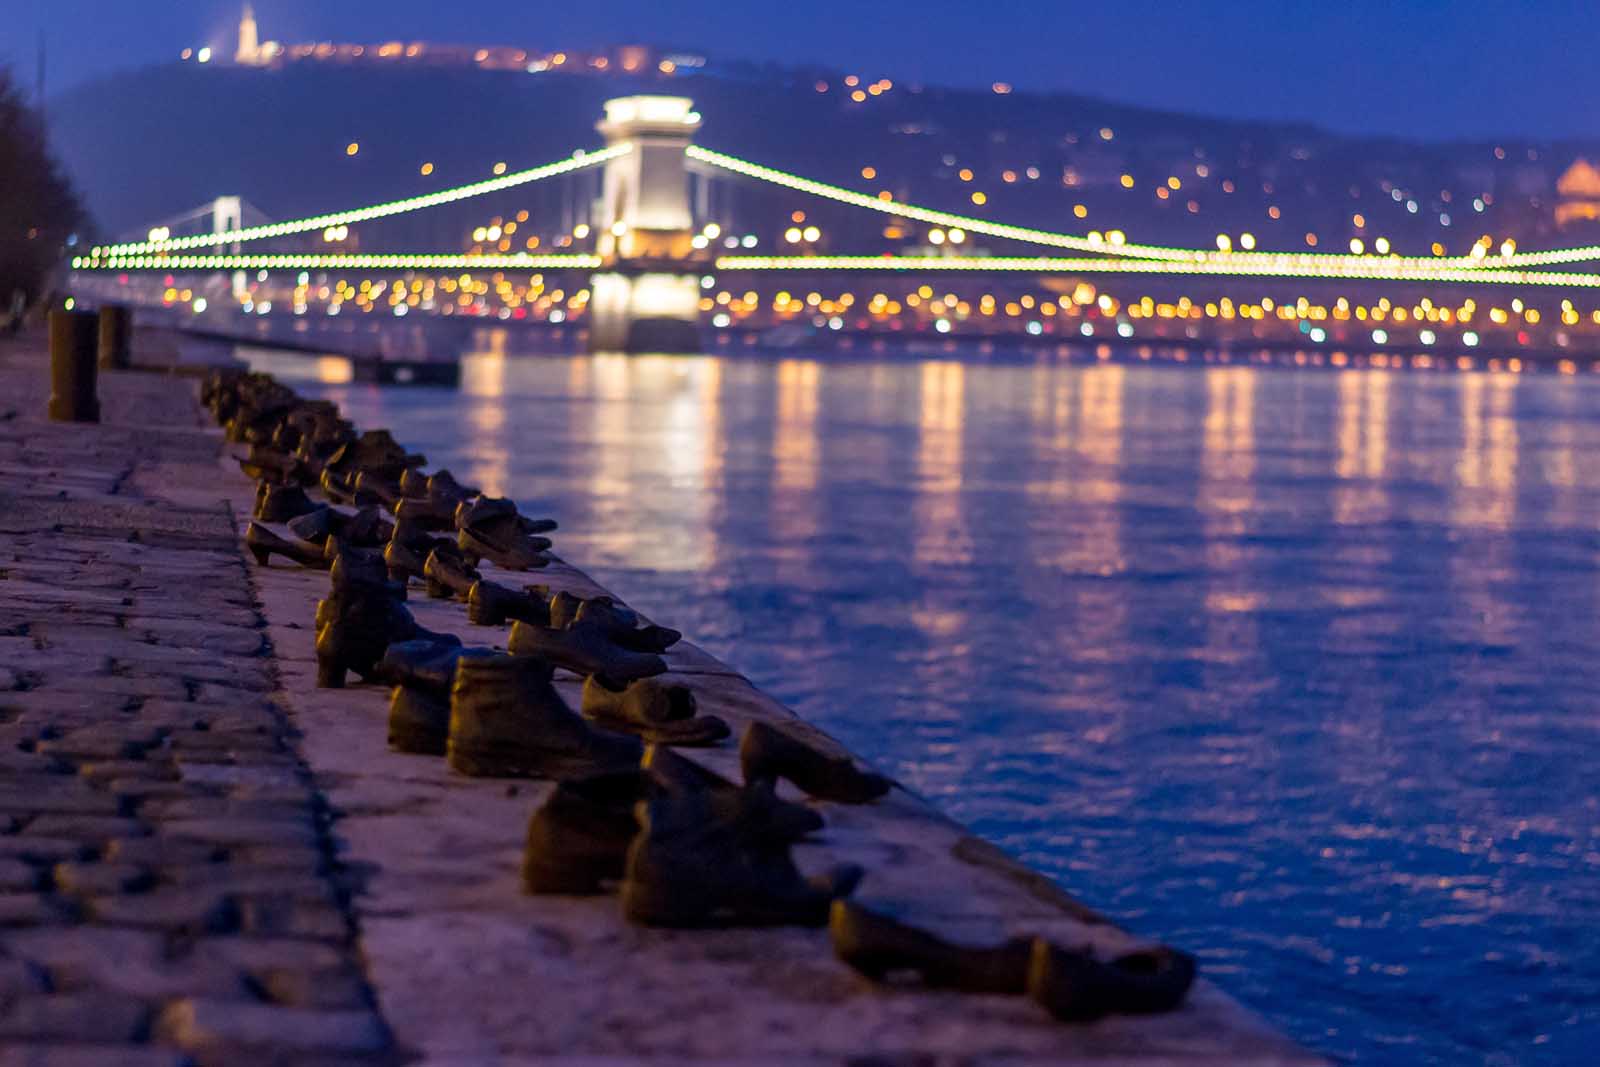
[500,716]
[490,528]
[320,534]
[585,648]
[491,604]
[362,616]
[1073,984]
[685,848]
[432,501]
[593,637]
[578,838]
[279,502]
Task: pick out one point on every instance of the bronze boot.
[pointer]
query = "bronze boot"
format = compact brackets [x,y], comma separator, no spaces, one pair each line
[357,623]
[878,946]
[756,808]
[514,550]
[419,721]
[687,868]
[448,575]
[280,503]
[1075,986]
[492,604]
[498,513]
[578,838]
[507,721]
[767,752]
[584,650]
[622,625]
[653,710]
[424,664]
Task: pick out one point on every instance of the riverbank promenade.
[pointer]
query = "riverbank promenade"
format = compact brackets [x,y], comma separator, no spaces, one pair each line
[206,859]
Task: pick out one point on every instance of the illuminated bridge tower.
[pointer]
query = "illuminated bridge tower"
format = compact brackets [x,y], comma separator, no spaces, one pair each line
[646,296]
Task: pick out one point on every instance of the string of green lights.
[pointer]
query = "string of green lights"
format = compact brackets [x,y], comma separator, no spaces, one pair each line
[1130,250]
[579,161]
[334,261]
[1049,265]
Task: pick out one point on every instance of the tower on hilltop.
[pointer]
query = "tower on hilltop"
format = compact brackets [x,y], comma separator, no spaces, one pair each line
[249,53]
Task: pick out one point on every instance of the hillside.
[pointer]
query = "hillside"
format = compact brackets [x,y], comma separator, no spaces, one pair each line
[152,143]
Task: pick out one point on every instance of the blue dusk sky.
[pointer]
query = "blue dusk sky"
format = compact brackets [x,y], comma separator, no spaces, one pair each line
[1421,68]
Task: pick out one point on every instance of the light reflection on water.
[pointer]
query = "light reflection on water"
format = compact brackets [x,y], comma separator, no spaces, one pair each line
[1296,668]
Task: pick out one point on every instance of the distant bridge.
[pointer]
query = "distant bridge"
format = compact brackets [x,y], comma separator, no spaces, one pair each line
[649,255]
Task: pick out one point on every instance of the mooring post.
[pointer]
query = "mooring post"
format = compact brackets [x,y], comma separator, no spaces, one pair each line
[74,337]
[116,337]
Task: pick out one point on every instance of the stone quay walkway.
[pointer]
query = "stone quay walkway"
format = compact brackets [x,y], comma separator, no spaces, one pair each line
[204,859]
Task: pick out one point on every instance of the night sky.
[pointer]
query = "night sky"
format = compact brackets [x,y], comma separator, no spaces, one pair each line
[1465,68]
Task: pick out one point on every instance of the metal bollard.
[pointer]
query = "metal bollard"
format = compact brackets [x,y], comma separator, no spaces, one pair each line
[73,343]
[116,337]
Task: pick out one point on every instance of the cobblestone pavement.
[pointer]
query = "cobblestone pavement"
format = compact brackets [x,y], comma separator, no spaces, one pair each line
[203,855]
[167,890]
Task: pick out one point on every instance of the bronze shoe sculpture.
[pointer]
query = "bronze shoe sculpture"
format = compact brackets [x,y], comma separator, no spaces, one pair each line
[505,546]
[358,621]
[756,808]
[404,561]
[348,489]
[492,604]
[424,664]
[767,753]
[507,721]
[369,486]
[280,503]
[363,529]
[622,625]
[413,484]
[419,721]
[619,623]
[263,544]
[448,575]
[655,711]
[687,868]
[1075,986]
[584,649]
[564,609]
[878,946]
[578,838]
[375,451]
[267,464]
[497,512]
[425,515]
[422,673]
[358,569]
[409,546]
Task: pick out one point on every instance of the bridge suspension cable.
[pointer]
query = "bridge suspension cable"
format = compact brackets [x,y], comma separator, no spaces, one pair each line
[1049,265]
[335,261]
[1305,264]
[579,161]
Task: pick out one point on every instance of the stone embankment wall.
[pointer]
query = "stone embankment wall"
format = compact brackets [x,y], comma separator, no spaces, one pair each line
[204,858]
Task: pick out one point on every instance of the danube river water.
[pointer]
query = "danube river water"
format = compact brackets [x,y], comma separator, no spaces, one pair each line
[1299,669]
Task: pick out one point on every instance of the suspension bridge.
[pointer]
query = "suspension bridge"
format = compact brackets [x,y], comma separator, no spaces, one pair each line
[652,241]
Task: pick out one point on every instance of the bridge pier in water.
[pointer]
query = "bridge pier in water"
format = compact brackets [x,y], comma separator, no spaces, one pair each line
[646,295]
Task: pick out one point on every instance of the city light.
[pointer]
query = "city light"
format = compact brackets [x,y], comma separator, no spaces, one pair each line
[1046,265]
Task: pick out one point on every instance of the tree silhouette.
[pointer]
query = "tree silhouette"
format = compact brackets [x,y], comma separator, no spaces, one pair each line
[39,210]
